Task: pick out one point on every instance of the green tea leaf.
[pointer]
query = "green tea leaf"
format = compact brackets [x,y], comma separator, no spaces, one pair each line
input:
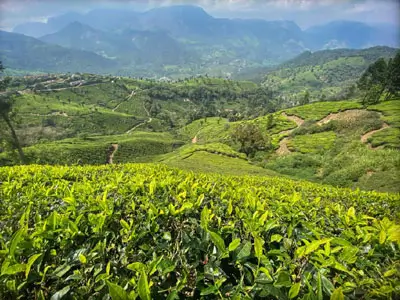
[276,238]
[167,236]
[30,262]
[319,287]
[205,215]
[244,252]
[61,293]
[82,258]
[390,273]
[234,244]
[266,272]
[315,245]
[125,224]
[136,266]
[218,241]
[116,292]
[294,290]
[16,239]
[351,213]
[393,233]
[337,294]
[382,237]
[258,247]
[143,286]
[14,269]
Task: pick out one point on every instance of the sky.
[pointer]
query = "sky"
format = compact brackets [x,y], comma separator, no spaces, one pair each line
[305,13]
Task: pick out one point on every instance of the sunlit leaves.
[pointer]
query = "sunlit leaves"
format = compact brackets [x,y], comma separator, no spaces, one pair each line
[138,231]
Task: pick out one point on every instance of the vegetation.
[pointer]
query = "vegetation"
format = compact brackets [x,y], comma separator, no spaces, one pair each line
[328,75]
[6,107]
[134,231]
[250,138]
[380,79]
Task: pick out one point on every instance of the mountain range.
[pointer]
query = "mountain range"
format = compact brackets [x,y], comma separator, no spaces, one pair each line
[181,41]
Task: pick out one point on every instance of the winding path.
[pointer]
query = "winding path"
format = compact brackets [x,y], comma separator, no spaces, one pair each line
[283,149]
[113,148]
[141,123]
[365,137]
[127,99]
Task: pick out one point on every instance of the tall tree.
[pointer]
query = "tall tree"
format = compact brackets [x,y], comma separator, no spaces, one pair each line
[374,82]
[6,107]
[250,138]
[393,86]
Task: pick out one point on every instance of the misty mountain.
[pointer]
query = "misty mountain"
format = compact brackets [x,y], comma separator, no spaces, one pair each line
[347,34]
[167,40]
[21,52]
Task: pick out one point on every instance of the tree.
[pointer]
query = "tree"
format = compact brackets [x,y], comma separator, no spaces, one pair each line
[393,84]
[305,99]
[250,138]
[270,121]
[374,81]
[6,107]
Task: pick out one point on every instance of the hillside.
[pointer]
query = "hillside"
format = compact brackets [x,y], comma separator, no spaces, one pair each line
[150,231]
[25,53]
[149,120]
[327,74]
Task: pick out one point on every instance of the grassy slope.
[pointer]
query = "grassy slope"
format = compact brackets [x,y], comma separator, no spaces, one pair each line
[327,72]
[340,158]
[335,155]
[95,149]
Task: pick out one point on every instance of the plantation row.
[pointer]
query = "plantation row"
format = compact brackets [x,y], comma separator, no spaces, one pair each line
[151,232]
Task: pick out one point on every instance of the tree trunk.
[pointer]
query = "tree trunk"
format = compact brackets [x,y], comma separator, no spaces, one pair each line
[15,138]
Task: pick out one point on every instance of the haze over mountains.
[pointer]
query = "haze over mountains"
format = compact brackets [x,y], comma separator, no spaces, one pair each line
[179,41]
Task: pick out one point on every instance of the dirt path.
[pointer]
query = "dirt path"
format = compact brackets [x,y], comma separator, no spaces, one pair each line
[70,87]
[296,119]
[127,99]
[365,137]
[111,151]
[142,123]
[283,148]
[350,114]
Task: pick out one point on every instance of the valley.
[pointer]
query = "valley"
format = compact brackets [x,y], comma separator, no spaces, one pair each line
[174,153]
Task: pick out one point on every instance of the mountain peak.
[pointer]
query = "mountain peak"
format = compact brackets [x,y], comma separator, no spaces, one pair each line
[182,10]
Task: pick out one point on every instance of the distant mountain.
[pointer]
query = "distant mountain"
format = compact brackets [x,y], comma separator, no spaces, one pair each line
[83,37]
[131,46]
[347,34]
[21,52]
[184,40]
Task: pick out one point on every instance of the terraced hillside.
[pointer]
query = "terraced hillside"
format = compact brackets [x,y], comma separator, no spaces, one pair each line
[339,143]
[326,74]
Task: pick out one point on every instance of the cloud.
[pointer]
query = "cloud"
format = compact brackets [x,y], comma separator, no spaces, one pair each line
[304,12]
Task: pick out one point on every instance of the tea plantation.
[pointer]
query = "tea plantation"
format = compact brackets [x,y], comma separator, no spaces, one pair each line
[140,231]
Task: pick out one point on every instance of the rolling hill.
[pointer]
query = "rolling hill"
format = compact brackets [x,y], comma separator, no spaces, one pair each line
[326,74]
[149,120]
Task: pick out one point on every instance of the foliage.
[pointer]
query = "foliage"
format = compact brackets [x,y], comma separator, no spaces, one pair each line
[380,78]
[94,150]
[152,232]
[250,138]
[6,113]
[326,74]
[317,142]
[316,111]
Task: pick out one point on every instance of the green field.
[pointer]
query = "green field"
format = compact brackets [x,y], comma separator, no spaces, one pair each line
[148,231]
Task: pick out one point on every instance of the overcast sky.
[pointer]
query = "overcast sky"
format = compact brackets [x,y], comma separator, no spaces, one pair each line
[304,12]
